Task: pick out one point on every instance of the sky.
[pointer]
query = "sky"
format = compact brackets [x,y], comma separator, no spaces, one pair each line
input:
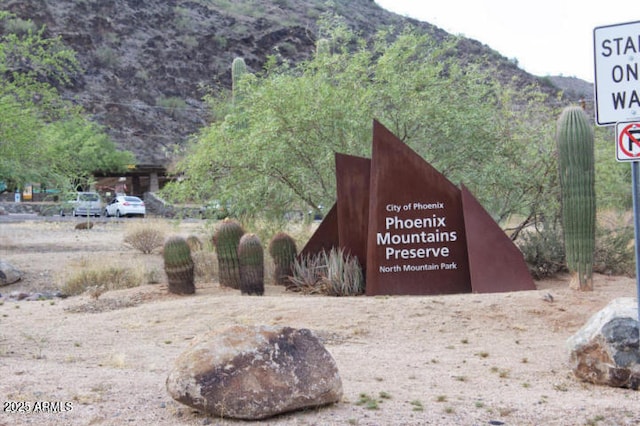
[545,37]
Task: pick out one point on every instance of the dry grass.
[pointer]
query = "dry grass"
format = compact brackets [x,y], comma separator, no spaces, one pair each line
[145,236]
[95,277]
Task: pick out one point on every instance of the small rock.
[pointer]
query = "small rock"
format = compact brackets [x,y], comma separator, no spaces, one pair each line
[18,295]
[8,273]
[34,296]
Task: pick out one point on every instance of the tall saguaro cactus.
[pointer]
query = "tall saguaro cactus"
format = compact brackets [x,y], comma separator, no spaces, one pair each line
[238,69]
[576,164]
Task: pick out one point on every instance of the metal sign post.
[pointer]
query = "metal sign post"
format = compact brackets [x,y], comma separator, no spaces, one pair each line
[628,150]
[635,176]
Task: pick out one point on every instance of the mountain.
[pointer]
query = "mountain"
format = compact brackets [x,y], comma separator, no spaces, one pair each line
[149,63]
[573,87]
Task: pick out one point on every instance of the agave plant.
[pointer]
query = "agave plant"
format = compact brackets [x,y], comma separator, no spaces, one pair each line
[335,273]
[344,275]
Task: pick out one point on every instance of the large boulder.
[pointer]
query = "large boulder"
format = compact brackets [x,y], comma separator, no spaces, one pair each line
[606,349]
[255,372]
[8,273]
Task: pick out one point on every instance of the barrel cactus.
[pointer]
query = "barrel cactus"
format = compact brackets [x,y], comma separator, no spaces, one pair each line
[576,165]
[226,240]
[194,243]
[251,257]
[178,265]
[283,251]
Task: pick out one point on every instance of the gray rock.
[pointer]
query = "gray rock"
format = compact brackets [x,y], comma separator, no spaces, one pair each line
[255,372]
[8,273]
[606,350]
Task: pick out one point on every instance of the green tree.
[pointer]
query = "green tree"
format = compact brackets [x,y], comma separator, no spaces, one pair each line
[44,138]
[613,178]
[275,148]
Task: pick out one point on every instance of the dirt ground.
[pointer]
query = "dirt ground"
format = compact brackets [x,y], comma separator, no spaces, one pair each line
[473,359]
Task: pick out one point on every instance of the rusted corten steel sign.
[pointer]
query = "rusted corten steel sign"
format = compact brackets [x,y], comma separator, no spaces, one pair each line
[413,230]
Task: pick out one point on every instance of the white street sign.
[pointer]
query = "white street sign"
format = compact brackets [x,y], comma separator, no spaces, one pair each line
[617,73]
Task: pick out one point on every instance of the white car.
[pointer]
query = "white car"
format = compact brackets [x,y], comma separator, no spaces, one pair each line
[125,205]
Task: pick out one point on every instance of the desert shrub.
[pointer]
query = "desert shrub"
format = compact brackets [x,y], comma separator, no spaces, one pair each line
[144,236]
[614,252]
[154,276]
[107,57]
[206,265]
[335,274]
[20,26]
[172,104]
[102,279]
[543,251]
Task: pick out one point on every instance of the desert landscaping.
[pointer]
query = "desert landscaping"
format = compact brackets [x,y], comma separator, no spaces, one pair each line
[102,358]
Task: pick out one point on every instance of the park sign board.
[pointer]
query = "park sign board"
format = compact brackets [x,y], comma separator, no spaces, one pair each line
[617,73]
[414,231]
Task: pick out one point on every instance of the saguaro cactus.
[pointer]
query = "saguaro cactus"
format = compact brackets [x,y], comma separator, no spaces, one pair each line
[238,69]
[283,251]
[226,239]
[323,47]
[178,265]
[251,257]
[577,183]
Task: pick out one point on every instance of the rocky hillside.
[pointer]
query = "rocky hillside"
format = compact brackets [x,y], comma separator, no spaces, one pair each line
[149,63]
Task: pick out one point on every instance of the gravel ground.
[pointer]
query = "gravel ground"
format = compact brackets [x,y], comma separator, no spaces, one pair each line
[473,359]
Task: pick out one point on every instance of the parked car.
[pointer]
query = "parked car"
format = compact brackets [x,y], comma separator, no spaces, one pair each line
[84,204]
[125,205]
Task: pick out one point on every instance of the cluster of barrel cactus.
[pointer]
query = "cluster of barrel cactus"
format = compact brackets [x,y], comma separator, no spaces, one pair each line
[241,257]
[178,265]
[576,165]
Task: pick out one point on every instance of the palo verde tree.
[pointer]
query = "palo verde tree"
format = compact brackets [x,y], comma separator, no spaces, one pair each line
[45,139]
[274,149]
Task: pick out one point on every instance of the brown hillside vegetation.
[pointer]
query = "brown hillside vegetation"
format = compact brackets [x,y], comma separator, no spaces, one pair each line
[148,64]
[471,359]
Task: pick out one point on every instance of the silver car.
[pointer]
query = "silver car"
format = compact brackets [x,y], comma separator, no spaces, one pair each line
[85,204]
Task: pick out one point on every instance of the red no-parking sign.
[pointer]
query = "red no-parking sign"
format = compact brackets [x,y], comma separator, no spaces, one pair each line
[628,141]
